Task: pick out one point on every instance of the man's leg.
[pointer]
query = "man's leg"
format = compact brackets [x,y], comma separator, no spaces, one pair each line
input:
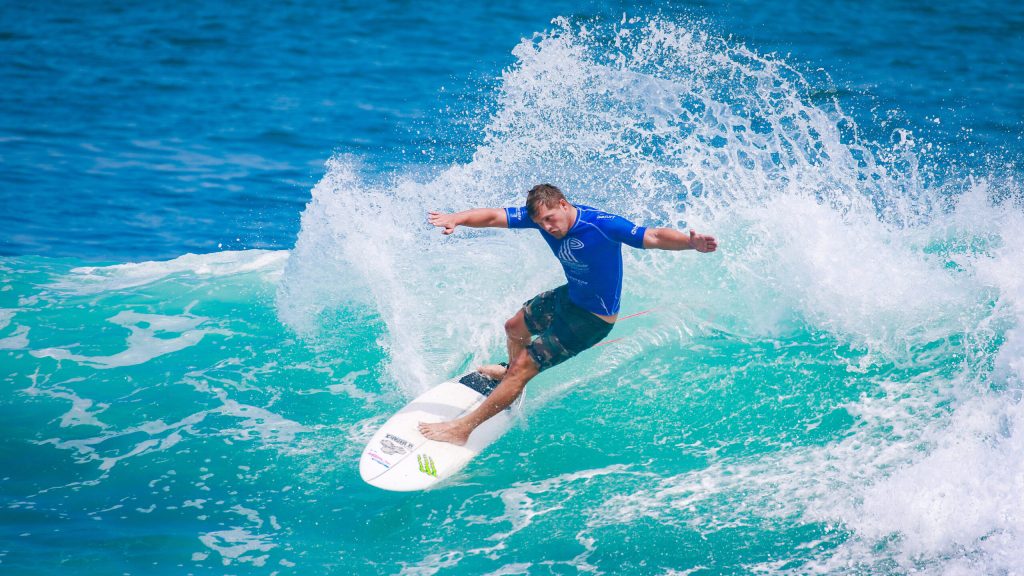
[520,371]
[517,337]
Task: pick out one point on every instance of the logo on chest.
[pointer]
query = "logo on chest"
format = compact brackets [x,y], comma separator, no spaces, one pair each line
[565,251]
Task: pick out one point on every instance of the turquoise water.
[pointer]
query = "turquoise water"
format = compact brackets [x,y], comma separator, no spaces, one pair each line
[836,390]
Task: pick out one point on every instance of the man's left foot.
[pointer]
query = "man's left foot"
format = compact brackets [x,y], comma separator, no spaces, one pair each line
[493,371]
[452,432]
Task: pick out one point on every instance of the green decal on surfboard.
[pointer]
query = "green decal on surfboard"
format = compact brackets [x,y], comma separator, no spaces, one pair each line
[427,465]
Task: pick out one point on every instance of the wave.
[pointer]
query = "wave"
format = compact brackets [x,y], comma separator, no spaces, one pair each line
[911,276]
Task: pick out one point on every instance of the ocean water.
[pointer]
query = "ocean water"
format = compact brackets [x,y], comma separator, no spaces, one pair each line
[217,282]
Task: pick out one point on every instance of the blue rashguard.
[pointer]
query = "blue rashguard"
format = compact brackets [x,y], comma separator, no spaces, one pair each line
[590,254]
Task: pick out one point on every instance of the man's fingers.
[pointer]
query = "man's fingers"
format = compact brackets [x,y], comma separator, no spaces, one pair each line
[710,244]
[437,219]
[703,242]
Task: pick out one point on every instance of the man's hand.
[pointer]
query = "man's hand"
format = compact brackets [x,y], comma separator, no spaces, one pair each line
[475,218]
[670,239]
[702,242]
[446,221]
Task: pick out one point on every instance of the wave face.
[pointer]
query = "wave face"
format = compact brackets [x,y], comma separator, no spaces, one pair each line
[836,390]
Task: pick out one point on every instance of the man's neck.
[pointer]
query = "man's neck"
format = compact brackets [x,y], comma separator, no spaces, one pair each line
[575,216]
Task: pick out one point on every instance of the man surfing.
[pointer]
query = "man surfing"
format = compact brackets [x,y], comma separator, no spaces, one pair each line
[570,318]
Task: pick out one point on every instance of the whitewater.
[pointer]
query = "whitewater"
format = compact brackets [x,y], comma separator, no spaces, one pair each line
[836,390]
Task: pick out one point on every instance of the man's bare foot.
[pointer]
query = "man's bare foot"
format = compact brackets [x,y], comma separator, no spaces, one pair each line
[492,371]
[453,432]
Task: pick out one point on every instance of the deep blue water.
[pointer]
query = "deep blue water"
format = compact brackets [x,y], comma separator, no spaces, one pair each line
[147,130]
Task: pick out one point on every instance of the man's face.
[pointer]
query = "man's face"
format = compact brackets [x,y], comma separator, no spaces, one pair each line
[555,220]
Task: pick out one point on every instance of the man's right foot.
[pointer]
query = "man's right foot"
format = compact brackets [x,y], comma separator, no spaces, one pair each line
[492,371]
[454,432]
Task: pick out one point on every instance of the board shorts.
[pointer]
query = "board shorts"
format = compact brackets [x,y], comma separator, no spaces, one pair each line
[562,328]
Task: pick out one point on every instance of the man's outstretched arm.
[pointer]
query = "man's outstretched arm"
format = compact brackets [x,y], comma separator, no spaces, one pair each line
[476,218]
[669,239]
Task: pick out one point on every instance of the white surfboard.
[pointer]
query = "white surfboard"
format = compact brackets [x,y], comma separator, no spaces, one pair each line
[399,458]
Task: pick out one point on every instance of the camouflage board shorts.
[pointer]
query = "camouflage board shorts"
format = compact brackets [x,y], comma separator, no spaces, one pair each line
[562,328]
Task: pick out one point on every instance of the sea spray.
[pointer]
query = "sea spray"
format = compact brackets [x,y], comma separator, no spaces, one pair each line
[843,244]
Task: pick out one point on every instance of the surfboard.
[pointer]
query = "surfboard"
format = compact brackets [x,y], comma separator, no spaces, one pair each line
[399,458]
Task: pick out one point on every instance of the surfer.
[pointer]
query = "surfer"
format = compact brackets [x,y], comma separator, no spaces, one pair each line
[572,317]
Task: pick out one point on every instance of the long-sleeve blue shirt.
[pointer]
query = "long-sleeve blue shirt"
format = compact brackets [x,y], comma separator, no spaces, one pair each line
[590,253]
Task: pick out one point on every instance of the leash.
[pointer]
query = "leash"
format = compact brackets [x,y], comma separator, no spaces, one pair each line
[607,342]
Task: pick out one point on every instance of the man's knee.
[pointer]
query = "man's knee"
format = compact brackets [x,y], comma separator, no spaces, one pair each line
[516,325]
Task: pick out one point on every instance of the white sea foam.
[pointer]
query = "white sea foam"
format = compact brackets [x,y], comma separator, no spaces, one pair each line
[154,436]
[6,314]
[17,340]
[348,387]
[83,411]
[521,504]
[146,340]
[269,427]
[432,564]
[238,545]
[95,279]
